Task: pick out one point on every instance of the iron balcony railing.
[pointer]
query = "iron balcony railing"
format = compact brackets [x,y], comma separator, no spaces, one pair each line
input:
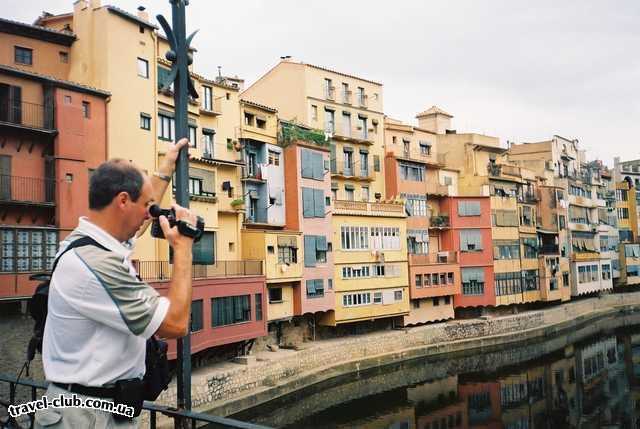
[256,215]
[27,189]
[162,270]
[190,417]
[445,257]
[26,114]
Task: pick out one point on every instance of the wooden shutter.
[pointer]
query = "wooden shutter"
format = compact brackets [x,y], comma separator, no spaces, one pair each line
[306,163]
[5,177]
[318,166]
[318,202]
[307,202]
[309,250]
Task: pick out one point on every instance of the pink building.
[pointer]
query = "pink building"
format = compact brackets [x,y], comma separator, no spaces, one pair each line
[308,202]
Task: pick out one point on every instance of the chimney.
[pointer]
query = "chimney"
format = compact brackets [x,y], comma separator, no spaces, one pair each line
[142,13]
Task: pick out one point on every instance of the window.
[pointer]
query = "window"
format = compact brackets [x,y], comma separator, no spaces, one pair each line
[313,204]
[527,216]
[365,193]
[625,235]
[565,279]
[207,140]
[86,109]
[472,281]
[196,315]
[64,57]
[166,127]
[258,297]
[145,121]
[275,294]
[508,283]
[436,302]
[328,89]
[24,250]
[143,68]
[425,149]
[311,164]
[261,122]
[406,147]
[348,194]
[207,99]
[397,295]
[274,157]
[562,223]
[23,55]
[385,238]
[346,124]
[356,272]
[416,205]
[192,136]
[346,93]
[357,299]
[633,270]
[376,163]
[347,157]
[530,248]
[623,213]
[364,163]
[632,250]
[468,208]
[470,240]
[314,112]
[329,121]
[249,119]
[364,132]
[531,280]
[287,255]
[447,300]
[411,172]
[377,297]
[67,99]
[418,281]
[315,250]
[204,249]
[230,309]
[606,272]
[361,96]
[315,288]
[354,237]
[506,249]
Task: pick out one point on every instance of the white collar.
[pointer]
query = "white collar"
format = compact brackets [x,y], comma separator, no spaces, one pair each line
[86,227]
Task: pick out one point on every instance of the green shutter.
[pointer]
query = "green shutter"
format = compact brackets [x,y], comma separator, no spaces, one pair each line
[318,198]
[311,287]
[309,250]
[319,286]
[307,167]
[317,165]
[307,202]
[321,243]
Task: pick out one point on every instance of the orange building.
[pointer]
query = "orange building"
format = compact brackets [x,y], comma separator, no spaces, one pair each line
[52,134]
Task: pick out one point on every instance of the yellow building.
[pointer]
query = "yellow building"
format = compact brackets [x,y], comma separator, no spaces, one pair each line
[370,270]
[282,256]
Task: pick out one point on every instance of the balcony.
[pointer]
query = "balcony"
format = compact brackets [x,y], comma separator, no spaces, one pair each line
[346,97]
[27,190]
[528,198]
[355,135]
[330,92]
[501,170]
[439,222]
[26,115]
[253,174]
[365,208]
[256,216]
[362,100]
[437,258]
[352,172]
[437,189]
[162,270]
[581,201]
[214,109]
[549,249]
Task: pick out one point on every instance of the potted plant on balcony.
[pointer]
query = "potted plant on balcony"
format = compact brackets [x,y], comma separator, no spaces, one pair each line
[237,204]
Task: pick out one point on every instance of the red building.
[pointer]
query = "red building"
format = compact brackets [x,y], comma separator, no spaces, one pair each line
[469,234]
[52,134]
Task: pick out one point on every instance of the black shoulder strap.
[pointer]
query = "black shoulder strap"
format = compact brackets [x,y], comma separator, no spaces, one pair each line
[80,242]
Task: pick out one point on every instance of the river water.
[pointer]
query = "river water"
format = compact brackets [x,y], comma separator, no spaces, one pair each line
[586,377]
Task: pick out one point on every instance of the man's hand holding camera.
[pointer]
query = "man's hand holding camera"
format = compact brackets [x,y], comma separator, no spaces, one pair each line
[173,235]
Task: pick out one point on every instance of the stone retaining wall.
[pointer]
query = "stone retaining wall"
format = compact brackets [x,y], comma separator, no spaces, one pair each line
[224,392]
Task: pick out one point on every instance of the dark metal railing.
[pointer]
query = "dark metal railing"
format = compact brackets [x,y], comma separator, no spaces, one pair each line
[190,416]
[26,114]
[162,270]
[257,215]
[27,189]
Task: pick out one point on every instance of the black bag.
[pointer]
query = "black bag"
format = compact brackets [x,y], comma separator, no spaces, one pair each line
[39,301]
[157,376]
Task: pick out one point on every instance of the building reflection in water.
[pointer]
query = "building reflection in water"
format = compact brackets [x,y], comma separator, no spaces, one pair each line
[593,383]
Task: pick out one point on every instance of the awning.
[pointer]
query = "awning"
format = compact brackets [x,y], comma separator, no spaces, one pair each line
[287,241]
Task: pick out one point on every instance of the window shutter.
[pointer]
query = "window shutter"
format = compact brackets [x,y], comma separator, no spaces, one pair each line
[318,196]
[309,250]
[319,285]
[318,167]
[376,163]
[307,202]
[307,167]
[462,208]
[321,243]
[311,287]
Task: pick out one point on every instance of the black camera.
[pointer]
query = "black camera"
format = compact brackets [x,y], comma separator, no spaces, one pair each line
[184,228]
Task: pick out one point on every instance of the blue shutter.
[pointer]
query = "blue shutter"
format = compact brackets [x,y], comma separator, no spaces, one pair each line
[309,250]
[319,287]
[311,287]
[307,202]
[318,197]
[306,163]
[321,243]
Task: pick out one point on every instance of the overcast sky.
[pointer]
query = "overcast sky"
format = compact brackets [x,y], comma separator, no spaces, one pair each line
[520,70]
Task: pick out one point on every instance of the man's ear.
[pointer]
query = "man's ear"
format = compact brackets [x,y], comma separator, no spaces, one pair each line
[122,199]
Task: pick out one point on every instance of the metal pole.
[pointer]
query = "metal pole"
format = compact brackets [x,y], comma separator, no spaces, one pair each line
[183,87]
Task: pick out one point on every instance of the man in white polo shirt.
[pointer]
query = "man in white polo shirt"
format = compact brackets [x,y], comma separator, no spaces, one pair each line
[99,313]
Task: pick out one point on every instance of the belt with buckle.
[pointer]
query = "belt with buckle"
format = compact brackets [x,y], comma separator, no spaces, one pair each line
[98,392]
